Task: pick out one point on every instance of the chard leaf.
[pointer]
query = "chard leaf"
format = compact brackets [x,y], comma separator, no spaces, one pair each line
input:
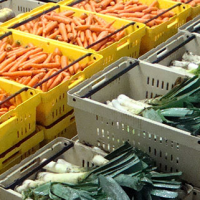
[112,188]
[165,175]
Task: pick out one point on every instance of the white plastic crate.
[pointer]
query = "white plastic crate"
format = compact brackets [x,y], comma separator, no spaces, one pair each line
[21,6]
[79,155]
[191,25]
[102,126]
[173,49]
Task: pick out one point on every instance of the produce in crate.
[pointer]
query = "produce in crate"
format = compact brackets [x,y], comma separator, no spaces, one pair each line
[132,10]
[179,108]
[126,173]
[30,64]
[82,31]
[189,63]
[9,105]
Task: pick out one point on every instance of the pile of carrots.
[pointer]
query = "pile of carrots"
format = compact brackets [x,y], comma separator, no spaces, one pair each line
[132,10]
[193,3]
[8,105]
[83,30]
[30,65]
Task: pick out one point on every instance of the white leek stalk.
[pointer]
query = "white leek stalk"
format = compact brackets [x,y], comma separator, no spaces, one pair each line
[99,160]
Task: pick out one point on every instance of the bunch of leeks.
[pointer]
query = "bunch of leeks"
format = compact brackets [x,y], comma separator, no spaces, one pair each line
[179,108]
[129,174]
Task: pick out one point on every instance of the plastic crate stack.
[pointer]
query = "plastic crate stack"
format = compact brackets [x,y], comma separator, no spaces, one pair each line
[76,107]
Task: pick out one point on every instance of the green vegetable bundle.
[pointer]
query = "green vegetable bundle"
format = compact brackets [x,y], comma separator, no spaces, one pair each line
[129,174]
[179,108]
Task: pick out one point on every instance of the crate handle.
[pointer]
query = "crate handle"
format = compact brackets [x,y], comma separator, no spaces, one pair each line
[164,55]
[111,34]
[103,83]
[63,69]
[1,1]
[33,17]
[13,95]
[122,46]
[69,145]
[172,24]
[196,27]
[12,118]
[75,2]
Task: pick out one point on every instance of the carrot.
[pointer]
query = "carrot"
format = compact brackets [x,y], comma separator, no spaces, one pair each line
[37,54]
[35,79]
[57,52]
[88,7]
[57,81]
[37,60]
[110,24]
[78,39]
[49,82]
[66,75]
[94,36]
[57,59]
[134,9]
[73,30]
[154,4]
[76,21]
[27,80]
[49,58]
[105,3]
[71,70]
[76,67]
[100,36]
[3,56]
[68,27]
[23,51]
[7,68]
[50,27]
[67,13]
[18,73]
[45,66]
[53,35]
[59,19]
[63,31]
[82,27]
[82,36]
[89,19]
[92,4]
[97,28]
[64,61]
[7,61]
[100,22]
[88,34]
[83,16]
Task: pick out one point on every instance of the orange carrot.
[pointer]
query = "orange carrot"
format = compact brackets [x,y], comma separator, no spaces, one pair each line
[3,56]
[53,35]
[57,81]
[64,61]
[50,26]
[35,79]
[57,52]
[78,39]
[105,3]
[7,61]
[67,13]
[59,19]
[49,58]
[63,31]
[82,27]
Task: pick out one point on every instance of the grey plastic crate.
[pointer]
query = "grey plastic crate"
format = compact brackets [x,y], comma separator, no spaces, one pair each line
[173,49]
[103,126]
[79,155]
[21,6]
[191,25]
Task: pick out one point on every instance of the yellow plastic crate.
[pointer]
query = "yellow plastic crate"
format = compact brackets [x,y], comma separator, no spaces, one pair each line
[64,127]
[54,102]
[127,46]
[20,151]
[19,123]
[158,34]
